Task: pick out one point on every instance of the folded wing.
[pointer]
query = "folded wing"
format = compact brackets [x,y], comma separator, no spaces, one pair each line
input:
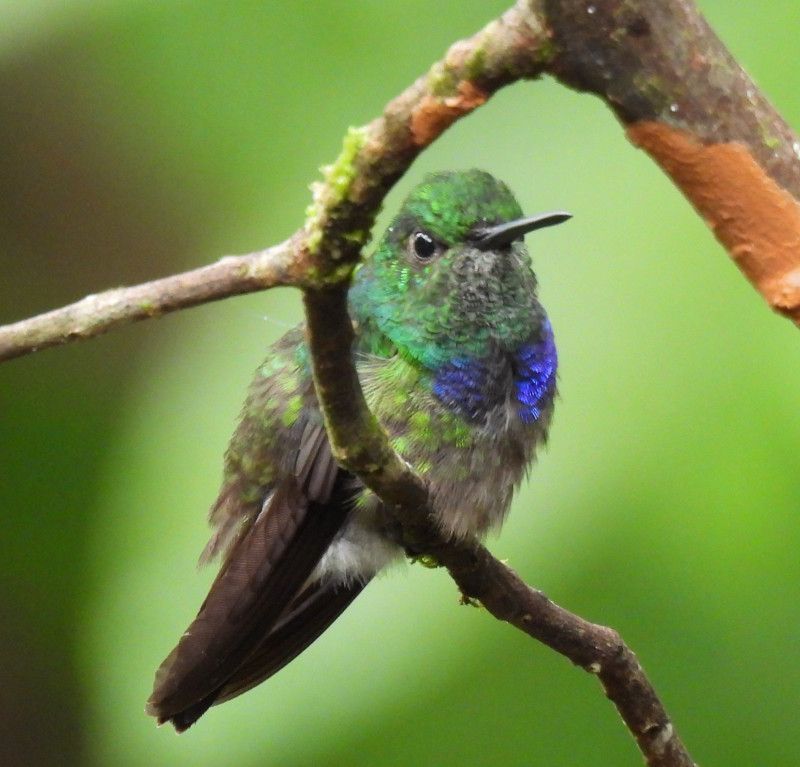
[263,608]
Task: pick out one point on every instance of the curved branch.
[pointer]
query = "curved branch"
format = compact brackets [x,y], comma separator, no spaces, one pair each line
[685,101]
[345,203]
[657,64]
[361,446]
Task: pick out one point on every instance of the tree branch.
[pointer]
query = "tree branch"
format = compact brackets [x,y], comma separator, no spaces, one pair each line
[360,445]
[681,97]
[345,203]
[658,65]
[97,314]
[685,101]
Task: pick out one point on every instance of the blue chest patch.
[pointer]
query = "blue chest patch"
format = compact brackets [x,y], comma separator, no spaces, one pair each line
[535,378]
[471,387]
[462,385]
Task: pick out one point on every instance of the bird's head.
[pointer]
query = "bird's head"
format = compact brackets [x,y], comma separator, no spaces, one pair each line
[451,276]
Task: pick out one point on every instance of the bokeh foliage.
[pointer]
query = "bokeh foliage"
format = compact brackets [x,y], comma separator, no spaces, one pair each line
[141,138]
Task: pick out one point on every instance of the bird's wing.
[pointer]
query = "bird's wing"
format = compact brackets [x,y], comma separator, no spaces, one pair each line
[309,616]
[265,570]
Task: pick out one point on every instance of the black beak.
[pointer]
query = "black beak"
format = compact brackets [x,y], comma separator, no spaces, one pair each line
[504,234]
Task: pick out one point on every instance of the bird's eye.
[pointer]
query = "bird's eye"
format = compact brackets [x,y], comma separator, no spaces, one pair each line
[423,246]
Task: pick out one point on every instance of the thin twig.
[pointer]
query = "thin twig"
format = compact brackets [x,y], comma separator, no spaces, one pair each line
[97,314]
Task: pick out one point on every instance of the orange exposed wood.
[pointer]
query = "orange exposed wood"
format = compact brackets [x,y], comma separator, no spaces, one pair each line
[752,216]
[434,114]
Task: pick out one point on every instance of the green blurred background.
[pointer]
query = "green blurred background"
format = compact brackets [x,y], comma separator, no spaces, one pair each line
[142,138]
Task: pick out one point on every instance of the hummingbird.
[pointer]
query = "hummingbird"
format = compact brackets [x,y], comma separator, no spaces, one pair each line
[457,361]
